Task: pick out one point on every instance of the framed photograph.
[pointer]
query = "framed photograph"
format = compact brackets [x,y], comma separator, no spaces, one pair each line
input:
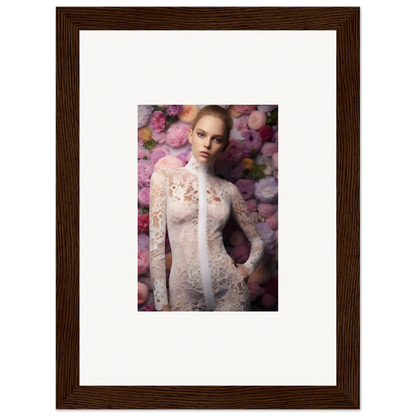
[303,61]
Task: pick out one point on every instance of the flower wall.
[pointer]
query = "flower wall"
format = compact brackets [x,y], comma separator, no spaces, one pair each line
[250,162]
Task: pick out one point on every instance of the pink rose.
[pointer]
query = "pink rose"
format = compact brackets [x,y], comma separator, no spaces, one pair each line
[144,196]
[159,137]
[168,162]
[241,123]
[244,131]
[254,289]
[272,222]
[266,210]
[141,154]
[177,135]
[251,205]
[256,120]
[143,260]
[269,149]
[158,121]
[144,172]
[268,300]
[233,153]
[143,223]
[157,153]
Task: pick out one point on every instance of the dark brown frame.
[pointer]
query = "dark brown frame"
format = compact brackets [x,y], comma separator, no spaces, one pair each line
[346,22]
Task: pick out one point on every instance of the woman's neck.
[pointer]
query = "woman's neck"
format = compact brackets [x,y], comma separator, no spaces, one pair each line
[200,168]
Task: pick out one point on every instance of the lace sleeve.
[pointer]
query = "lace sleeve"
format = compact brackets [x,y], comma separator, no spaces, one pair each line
[157,235]
[241,214]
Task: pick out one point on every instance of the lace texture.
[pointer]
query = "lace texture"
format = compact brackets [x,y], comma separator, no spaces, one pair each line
[195,205]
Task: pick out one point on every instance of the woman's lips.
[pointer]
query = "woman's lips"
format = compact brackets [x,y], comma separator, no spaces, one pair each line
[204,154]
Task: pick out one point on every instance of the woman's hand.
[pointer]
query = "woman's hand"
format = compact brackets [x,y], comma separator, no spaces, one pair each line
[165,308]
[243,270]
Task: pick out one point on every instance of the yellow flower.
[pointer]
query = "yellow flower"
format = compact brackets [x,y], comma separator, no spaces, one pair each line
[248,163]
[145,134]
[234,112]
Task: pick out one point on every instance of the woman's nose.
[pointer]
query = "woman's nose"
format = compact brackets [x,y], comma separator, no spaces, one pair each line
[207,143]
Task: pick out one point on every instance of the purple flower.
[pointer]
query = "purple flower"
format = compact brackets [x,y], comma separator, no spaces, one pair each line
[182,157]
[143,241]
[148,308]
[265,108]
[269,237]
[144,173]
[144,197]
[245,187]
[252,140]
[143,114]
[265,190]
[174,110]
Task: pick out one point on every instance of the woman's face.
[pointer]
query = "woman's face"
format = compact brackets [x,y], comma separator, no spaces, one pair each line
[207,139]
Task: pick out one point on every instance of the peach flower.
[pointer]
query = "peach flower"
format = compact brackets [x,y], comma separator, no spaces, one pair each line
[187,115]
[142,292]
[142,260]
[256,120]
[275,159]
[168,162]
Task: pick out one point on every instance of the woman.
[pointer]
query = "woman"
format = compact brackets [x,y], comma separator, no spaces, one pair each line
[195,204]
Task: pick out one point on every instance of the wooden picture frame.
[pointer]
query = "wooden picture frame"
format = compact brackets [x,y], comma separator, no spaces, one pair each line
[346,22]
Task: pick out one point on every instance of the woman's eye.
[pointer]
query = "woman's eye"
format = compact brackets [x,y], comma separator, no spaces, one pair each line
[201,134]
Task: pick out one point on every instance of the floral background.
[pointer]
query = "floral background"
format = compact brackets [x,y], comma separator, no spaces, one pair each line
[251,163]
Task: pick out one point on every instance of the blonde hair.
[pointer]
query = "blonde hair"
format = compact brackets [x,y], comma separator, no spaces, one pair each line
[216,111]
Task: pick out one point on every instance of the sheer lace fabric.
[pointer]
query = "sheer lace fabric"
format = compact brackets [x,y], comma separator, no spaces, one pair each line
[195,205]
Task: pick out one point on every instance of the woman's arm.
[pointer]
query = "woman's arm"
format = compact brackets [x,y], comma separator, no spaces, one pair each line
[241,214]
[157,235]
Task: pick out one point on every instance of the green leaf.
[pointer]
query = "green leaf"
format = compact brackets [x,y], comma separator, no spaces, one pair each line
[253,153]
[157,108]
[151,144]
[272,119]
[145,210]
[257,172]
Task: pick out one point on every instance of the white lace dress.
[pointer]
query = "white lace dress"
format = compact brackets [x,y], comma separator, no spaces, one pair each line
[195,205]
